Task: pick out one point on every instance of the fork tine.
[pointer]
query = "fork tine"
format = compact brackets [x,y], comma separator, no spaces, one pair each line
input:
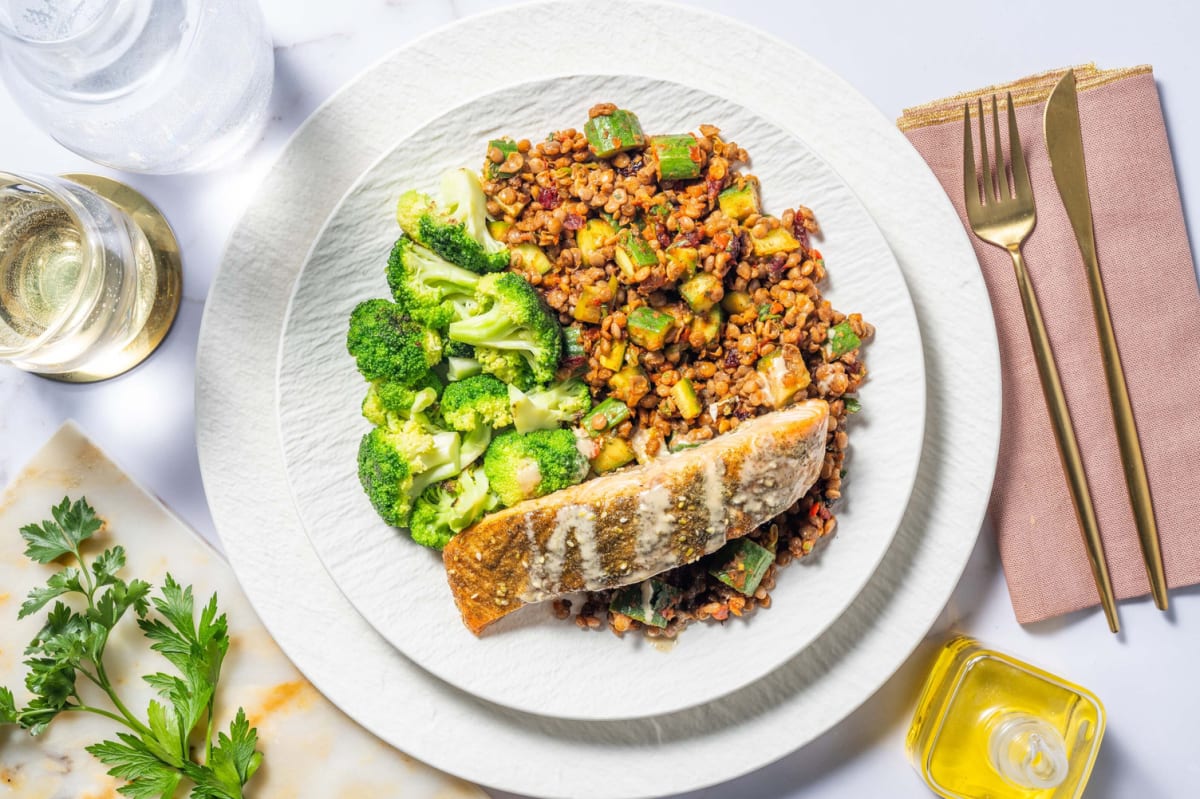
[970,178]
[1001,172]
[989,193]
[1021,186]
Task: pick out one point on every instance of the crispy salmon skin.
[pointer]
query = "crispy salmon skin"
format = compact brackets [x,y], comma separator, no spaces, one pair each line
[626,526]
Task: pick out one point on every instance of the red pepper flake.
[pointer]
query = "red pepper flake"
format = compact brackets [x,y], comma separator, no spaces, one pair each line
[573,222]
[814,509]
[548,197]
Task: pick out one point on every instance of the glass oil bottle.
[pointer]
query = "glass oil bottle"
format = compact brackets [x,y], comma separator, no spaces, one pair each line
[988,726]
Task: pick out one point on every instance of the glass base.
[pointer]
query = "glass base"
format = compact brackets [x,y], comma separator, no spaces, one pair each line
[170,280]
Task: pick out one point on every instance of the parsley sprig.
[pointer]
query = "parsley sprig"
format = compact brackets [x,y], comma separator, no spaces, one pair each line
[153,755]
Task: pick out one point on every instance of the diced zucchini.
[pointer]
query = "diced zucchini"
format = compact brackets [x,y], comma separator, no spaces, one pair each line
[614,453]
[506,147]
[741,565]
[686,401]
[649,602]
[738,202]
[777,240]
[614,133]
[634,252]
[590,306]
[686,257]
[783,373]
[737,302]
[703,291]
[706,327]
[573,343]
[629,385]
[498,228]
[592,236]
[852,404]
[678,156]
[612,411]
[843,339]
[615,356]
[648,328]
[532,257]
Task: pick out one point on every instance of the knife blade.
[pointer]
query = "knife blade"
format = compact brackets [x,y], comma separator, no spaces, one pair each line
[1064,142]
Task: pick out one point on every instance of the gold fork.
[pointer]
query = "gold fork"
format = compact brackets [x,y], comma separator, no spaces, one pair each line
[1006,218]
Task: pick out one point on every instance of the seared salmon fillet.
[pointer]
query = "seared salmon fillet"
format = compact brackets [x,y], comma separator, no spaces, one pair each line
[623,527]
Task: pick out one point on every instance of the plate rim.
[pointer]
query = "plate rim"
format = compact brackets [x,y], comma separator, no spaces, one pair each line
[863,573]
[232,505]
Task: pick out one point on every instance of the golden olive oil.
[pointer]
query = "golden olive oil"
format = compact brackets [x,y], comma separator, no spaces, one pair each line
[989,726]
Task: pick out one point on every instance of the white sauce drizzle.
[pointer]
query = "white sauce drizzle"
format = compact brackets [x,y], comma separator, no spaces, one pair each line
[714,503]
[647,601]
[653,526]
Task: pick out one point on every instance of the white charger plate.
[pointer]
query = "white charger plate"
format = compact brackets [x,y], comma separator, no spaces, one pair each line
[531,661]
[245,478]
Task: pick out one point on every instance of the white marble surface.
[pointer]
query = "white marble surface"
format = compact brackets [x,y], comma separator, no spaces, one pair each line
[898,55]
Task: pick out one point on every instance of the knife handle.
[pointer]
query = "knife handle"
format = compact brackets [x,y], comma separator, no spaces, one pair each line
[1064,438]
[1130,447]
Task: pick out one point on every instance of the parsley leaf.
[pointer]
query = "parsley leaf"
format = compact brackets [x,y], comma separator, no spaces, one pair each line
[73,523]
[154,755]
[130,759]
[8,707]
[233,762]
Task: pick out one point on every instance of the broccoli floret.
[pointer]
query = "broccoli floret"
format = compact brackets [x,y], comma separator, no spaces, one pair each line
[388,402]
[526,465]
[550,407]
[457,229]
[388,345]
[476,401]
[396,464]
[508,365]
[386,477]
[474,444]
[432,290]
[446,508]
[456,349]
[515,320]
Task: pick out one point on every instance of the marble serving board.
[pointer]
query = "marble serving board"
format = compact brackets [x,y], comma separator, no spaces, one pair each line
[311,749]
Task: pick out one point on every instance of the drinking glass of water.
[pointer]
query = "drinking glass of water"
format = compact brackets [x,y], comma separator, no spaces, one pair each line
[156,86]
[89,276]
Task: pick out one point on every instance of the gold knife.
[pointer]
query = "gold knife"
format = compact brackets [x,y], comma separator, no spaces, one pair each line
[1064,141]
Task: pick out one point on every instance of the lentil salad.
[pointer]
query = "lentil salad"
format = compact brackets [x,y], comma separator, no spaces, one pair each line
[687,310]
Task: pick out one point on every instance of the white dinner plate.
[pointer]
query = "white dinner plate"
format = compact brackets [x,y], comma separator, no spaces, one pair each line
[530,660]
[342,654]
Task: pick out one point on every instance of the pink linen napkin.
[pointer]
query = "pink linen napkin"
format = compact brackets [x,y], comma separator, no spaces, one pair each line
[1150,281]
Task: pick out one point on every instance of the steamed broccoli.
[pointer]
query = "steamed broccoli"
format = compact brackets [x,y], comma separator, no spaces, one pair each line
[388,402]
[508,365]
[456,349]
[526,465]
[430,289]
[388,345]
[476,401]
[446,508]
[515,320]
[457,229]
[550,407]
[474,444]
[396,465]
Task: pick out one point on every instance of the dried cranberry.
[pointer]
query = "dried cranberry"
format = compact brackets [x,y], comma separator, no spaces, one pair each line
[664,237]
[691,238]
[548,197]
[731,359]
[800,232]
[778,265]
[854,367]
[573,222]
[742,412]
[714,187]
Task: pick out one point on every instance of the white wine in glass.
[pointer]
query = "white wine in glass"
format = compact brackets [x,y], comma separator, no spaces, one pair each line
[89,276]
